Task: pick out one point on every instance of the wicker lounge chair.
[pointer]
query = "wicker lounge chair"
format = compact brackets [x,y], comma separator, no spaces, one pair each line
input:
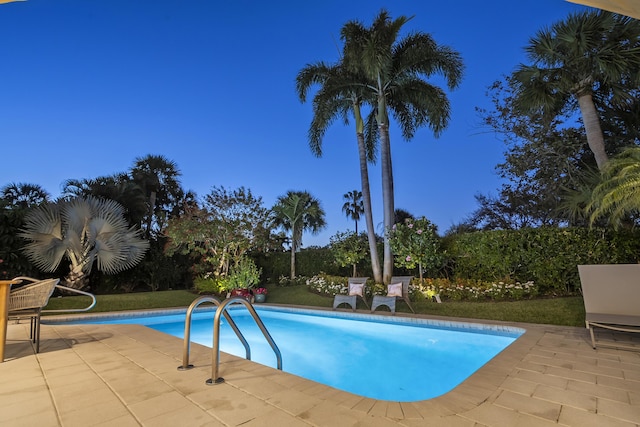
[611,299]
[27,301]
[355,288]
[394,294]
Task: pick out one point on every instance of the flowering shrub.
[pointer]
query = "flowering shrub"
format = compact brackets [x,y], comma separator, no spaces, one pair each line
[262,291]
[324,284]
[460,289]
[415,243]
[288,281]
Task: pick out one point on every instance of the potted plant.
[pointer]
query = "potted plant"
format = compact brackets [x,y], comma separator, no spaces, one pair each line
[242,277]
[260,294]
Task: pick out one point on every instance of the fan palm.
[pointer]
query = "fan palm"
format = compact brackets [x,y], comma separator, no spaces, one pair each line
[618,194]
[84,231]
[296,212]
[353,206]
[395,71]
[583,60]
[341,93]
[22,195]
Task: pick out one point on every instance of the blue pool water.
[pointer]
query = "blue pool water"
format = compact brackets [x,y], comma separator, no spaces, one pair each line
[372,356]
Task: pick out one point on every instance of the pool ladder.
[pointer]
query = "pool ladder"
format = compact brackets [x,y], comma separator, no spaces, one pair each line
[222,311]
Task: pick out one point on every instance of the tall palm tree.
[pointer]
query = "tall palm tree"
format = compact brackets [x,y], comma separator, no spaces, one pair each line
[84,231]
[353,206]
[342,93]
[159,178]
[618,194]
[580,62]
[296,212]
[395,72]
[23,195]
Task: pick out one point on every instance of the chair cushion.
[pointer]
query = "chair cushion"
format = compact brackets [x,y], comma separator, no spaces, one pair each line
[394,290]
[356,289]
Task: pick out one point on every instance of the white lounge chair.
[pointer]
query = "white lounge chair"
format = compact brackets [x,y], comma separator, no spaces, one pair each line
[611,295]
[356,287]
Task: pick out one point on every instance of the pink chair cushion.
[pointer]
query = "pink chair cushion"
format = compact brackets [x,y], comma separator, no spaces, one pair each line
[356,289]
[394,290]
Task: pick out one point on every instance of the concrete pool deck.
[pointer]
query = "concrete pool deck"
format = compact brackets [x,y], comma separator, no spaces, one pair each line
[126,375]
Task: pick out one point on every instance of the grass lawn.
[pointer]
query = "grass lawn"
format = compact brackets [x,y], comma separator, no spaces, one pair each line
[567,311]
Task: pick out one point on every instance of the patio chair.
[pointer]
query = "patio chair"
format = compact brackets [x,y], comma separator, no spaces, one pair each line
[611,293]
[27,302]
[355,288]
[398,289]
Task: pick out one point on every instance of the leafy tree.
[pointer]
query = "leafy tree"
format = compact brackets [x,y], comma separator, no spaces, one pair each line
[219,234]
[13,262]
[296,212]
[578,63]
[159,179]
[23,195]
[342,93]
[348,249]
[353,206]
[395,72]
[84,231]
[548,167]
[415,243]
[617,197]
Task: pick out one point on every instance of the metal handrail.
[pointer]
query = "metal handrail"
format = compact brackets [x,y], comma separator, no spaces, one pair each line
[187,330]
[74,310]
[215,362]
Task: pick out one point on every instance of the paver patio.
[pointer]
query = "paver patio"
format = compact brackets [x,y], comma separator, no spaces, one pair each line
[126,375]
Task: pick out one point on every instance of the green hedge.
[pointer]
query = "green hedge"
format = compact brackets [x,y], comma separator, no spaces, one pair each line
[547,256]
[308,263]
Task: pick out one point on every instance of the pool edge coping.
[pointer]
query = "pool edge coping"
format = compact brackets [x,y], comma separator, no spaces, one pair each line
[459,324]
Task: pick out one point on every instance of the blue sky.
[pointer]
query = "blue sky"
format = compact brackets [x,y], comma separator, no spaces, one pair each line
[88,86]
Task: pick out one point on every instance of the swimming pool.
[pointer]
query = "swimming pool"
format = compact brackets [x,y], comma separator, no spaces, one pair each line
[397,359]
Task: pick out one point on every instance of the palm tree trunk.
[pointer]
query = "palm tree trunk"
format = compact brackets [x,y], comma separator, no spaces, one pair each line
[77,278]
[387,200]
[294,248]
[152,208]
[595,138]
[368,215]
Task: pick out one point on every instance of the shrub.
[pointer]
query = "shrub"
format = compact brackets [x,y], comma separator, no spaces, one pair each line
[206,285]
[548,256]
[475,290]
[325,284]
[288,281]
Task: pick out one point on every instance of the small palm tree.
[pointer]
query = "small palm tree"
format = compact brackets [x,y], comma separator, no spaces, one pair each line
[296,212]
[587,58]
[618,194]
[353,206]
[84,231]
